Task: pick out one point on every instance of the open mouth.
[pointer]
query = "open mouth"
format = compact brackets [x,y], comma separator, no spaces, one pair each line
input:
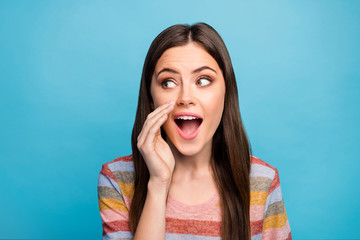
[188,125]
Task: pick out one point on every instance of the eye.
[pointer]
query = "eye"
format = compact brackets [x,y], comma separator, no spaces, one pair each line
[203,81]
[168,84]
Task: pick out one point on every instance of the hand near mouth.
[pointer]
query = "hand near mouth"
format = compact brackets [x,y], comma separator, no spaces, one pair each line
[155,151]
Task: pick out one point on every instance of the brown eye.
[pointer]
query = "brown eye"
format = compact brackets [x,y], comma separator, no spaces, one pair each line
[203,81]
[168,84]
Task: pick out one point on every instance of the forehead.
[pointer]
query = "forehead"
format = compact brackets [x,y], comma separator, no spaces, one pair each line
[190,55]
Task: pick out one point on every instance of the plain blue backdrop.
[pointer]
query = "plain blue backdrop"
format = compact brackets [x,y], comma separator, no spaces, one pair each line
[70,73]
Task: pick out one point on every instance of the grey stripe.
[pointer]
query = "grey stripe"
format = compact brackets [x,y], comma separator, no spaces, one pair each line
[260,184]
[275,208]
[124,177]
[107,192]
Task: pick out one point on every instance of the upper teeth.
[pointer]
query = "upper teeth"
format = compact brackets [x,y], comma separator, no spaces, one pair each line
[187,117]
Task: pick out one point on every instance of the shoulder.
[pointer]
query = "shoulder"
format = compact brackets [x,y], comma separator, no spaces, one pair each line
[259,168]
[121,169]
[263,176]
[267,211]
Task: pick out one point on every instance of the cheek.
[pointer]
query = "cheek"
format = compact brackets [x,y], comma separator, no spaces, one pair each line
[161,99]
[214,101]
[215,108]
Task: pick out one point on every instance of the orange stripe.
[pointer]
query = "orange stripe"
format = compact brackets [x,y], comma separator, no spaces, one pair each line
[275,221]
[258,198]
[110,203]
[127,189]
[194,227]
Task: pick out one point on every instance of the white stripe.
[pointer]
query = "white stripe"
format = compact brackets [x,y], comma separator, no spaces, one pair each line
[258,170]
[105,181]
[256,237]
[116,235]
[122,166]
[275,196]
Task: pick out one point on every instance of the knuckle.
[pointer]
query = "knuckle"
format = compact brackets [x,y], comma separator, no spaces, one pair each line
[151,121]
[150,116]
[153,130]
[139,145]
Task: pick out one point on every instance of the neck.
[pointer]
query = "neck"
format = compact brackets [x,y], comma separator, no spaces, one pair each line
[194,165]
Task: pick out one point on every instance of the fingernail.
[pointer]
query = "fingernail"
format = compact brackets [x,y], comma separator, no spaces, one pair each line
[170,102]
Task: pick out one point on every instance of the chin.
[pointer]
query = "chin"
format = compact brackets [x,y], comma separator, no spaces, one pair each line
[187,150]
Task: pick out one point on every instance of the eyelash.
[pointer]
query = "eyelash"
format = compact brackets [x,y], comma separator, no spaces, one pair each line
[207,78]
[165,81]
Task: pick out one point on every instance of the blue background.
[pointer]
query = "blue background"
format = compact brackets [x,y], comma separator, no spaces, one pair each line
[70,73]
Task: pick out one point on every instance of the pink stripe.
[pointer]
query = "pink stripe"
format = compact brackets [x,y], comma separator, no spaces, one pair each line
[211,214]
[277,233]
[111,215]
[209,211]
[257,212]
[127,202]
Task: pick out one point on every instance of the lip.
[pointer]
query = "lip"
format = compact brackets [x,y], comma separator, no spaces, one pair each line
[180,114]
[181,133]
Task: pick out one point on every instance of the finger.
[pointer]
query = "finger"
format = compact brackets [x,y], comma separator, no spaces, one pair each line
[154,131]
[153,114]
[160,108]
[151,118]
[146,142]
[149,123]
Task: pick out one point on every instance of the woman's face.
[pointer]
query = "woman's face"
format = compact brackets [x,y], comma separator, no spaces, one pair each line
[190,77]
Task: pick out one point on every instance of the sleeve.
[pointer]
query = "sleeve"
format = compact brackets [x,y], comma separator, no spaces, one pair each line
[113,210]
[276,225]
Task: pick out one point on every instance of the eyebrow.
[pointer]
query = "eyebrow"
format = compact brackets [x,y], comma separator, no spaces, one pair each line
[176,72]
[203,68]
[167,70]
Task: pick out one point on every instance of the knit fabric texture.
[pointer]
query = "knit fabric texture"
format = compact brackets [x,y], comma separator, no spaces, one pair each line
[268,219]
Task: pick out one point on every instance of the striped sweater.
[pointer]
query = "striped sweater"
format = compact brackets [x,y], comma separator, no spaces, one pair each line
[268,218]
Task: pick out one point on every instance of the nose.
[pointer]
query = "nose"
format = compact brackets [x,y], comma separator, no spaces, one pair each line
[185,97]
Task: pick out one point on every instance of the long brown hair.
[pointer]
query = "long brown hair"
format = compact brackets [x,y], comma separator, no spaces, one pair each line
[231,150]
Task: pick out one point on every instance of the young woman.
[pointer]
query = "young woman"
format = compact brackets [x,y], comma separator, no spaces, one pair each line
[191,174]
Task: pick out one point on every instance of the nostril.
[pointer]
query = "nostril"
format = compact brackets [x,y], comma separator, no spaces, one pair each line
[185,102]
